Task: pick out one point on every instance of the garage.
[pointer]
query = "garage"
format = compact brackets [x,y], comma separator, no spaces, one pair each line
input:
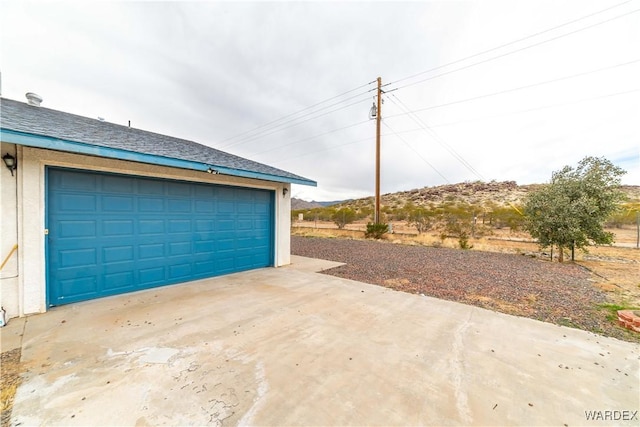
[109,234]
[92,208]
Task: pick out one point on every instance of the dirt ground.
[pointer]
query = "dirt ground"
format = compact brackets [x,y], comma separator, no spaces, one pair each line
[615,269]
[10,379]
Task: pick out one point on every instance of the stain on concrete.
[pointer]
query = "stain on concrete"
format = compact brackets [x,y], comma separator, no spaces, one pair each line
[288,347]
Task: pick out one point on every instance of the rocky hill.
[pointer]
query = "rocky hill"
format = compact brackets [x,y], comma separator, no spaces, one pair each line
[501,193]
[477,193]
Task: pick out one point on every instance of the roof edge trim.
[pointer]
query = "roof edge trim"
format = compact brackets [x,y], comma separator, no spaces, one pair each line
[57,144]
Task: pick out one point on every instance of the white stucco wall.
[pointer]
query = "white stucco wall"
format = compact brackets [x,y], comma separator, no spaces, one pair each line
[8,235]
[24,213]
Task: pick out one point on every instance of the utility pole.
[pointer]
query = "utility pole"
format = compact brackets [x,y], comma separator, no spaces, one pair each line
[376,217]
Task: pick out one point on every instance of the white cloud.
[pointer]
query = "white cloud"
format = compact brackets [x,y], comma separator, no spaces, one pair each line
[208,71]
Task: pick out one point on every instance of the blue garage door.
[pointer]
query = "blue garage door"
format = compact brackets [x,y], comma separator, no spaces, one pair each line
[110,234]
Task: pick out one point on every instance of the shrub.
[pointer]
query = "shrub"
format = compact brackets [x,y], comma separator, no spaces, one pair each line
[421,219]
[463,241]
[343,216]
[376,230]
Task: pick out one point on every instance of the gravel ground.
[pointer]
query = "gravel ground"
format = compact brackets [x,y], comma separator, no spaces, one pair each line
[514,284]
[9,381]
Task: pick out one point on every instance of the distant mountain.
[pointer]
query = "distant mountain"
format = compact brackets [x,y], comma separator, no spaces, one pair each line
[336,202]
[303,204]
[498,193]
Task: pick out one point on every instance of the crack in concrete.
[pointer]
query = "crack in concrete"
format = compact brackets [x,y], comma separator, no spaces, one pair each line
[458,371]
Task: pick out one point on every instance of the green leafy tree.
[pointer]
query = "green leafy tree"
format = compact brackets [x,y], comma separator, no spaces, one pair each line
[343,216]
[571,211]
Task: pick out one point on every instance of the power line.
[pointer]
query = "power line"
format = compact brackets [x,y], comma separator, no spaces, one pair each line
[436,137]
[474,98]
[271,123]
[280,129]
[416,151]
[333,147]
[504,54]
[422,129]
[509,43]
[311,137]
[308,153]
[277,125]
[528,110]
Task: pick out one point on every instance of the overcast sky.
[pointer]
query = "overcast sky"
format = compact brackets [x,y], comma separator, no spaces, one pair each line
[474,90]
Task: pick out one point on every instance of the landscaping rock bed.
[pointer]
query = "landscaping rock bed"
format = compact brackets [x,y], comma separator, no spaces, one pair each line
[514,284]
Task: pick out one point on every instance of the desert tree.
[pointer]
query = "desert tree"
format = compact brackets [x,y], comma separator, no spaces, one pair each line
[420,218]
[571,210]
[343,216]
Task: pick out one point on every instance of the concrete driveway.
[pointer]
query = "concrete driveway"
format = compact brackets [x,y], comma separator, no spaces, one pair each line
[288,346]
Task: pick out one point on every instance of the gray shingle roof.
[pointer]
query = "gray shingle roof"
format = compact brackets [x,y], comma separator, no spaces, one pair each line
[21,117]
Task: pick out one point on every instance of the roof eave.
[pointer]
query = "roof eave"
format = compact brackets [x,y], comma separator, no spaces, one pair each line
[57,144]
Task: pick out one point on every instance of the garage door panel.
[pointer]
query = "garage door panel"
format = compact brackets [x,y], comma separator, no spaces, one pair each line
[204,237]
[225,264]
[151,276]
[76,202]
[151,226]
[68,180]
[203,267]
[151,204]
[117,184]
[180,225]
[244,261]
[204,225]
[179,205]
[180,248]
[204,192]
[180,271]
[77,257]
[179,188]
[111,254]
[151,250]
[225,245]
[205,246]
[261,208]
[225,224]
[205,206]
[117,204]
[123,280]
[74,229]
[110,234]
[74,288]
[119,267]
[261,227]
[245,208]
[117,227]
[150,186]
[226,207]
